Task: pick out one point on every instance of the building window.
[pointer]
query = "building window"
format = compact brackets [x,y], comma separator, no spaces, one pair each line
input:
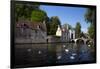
[72,36]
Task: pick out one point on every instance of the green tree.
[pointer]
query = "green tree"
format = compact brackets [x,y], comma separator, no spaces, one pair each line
[90,18]
[48,25]
[83,35]
[91,31]
[24,10]
[90,15]
[78,30]
[54,22]
[67,26]
[38,15]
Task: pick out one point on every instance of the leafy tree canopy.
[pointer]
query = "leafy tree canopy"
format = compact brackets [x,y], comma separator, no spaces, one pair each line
[90,18]
[24,10]
[38,15]
[54,22]
[91,31]
[78,30]
[90,15]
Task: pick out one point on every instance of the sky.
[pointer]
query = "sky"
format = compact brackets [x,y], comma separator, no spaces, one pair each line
[69,15]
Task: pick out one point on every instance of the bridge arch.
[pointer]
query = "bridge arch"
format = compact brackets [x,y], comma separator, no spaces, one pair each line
[88,41]
[73,41]
[80,41]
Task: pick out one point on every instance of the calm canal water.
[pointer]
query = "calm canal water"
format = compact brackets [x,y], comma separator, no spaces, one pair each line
[49,54]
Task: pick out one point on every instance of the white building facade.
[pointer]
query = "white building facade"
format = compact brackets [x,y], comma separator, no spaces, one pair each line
[65,33]
[72,34]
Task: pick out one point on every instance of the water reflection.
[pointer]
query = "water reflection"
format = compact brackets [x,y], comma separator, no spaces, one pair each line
[46,54]
[72,57]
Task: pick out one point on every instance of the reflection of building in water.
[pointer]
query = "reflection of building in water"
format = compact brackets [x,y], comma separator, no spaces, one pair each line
[65,33]
[33,31]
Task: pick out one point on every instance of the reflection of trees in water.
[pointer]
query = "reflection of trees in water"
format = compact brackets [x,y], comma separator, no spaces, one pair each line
[39,54]
[31,54]
[85,52]
[52,53]
[55,52]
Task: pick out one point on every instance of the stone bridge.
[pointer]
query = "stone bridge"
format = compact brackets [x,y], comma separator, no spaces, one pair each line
[81,40]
